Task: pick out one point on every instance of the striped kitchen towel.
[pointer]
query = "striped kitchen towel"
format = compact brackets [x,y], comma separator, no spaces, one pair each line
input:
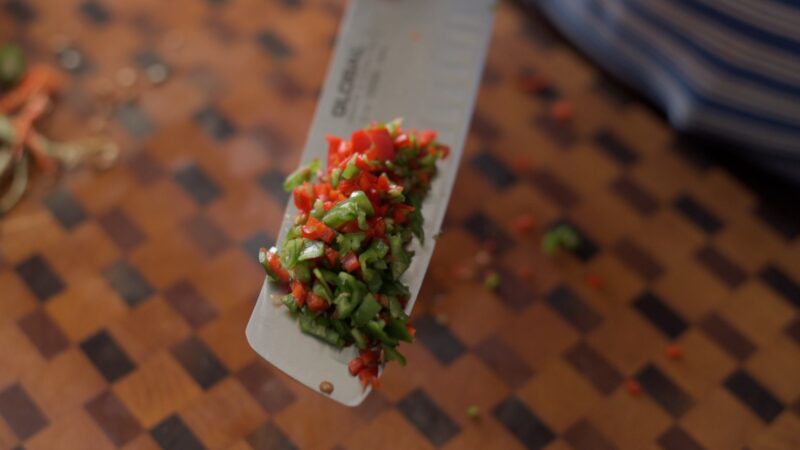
[729,69]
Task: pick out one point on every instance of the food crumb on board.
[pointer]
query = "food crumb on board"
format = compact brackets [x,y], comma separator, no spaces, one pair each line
[473,412]
[633,387]
[525,272]
[562,111]
[492,281]
[326,387]
[594,281]
[524,223]
[533,83]
[674,352]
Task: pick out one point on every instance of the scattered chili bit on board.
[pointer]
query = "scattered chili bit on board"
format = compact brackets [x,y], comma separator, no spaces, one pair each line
[463,272]
[522,164]
[633,387]
[533,83]
[562,111]
[524,223]
[473,412]
[525,272]
[595,281]
[674,352]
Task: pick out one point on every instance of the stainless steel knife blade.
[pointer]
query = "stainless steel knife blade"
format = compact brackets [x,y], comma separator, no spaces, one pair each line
[417,59]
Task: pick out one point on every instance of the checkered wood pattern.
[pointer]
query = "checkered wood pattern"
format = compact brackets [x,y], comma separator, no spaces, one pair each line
[124,294]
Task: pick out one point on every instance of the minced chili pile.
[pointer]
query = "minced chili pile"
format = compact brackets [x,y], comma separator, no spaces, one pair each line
[343,259]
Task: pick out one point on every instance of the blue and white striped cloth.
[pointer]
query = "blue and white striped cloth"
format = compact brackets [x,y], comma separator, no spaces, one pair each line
[725,68]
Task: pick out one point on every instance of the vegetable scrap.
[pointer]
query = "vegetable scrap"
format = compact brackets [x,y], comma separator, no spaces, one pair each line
[561,236]
[442,320]
[674,352]
[492,281]
[26,95]
[326,387]
[343,260]
[473,412]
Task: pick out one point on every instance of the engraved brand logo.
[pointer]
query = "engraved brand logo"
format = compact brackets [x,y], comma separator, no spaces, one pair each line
[347,82]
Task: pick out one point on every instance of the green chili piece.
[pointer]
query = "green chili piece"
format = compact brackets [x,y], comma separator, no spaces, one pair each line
[336,174]
[311,249]
[294,232]
[375,329]
[395,288]
[317,326]
[359,338]
[288,300]
[327,277]
[290,252]
[351,170]
[401,258]
[393,355]
[396,328]
[301,175]
[350,242]
[366,310]
[361,199]
[339,327]
[355,287]
[318,211]
[319,289]
[395,308]
[345,304]
[301,272]
[362,221]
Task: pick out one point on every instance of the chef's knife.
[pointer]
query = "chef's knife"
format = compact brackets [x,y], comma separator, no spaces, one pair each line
[417,59]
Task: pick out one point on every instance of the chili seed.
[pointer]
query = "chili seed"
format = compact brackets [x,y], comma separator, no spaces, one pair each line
[326,387]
